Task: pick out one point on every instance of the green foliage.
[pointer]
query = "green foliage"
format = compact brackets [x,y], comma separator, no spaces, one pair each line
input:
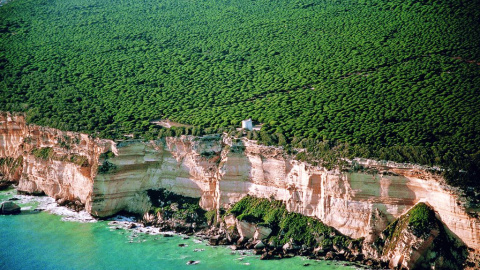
[211,216]
[258,210]
[79,160]
[286,226]
[207,154]
[107,155]
[450,249]
[44,153]
[11,163]
[421,219]
[176,206]
[395,80]
[47,153]
[390,230]
[66,141]
[107,167]
[237,149]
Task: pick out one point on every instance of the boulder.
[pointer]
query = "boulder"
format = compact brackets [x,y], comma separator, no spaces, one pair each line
[287,246]
[250,245]
[148,219]
[259,245]
[9,208]
[213,241]
[230,221]
[266,256]
[223,241]
[319,251]
[262,233]
[62,201]
[246,229]
[232,233]
[273,243]
[330,255]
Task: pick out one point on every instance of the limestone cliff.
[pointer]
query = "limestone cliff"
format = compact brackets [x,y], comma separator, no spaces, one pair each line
[220,170]
[60,164]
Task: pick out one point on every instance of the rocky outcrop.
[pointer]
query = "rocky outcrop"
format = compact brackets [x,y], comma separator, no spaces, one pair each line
[417,240]
[42,160]
[9,208]
[221,171]
[108,177]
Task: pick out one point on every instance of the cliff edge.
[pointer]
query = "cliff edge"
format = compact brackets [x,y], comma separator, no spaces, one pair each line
[106,177]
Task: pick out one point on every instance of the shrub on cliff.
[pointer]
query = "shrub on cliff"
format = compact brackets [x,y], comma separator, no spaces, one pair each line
[11,163]
[106,167]
[287,226]
[44,153]
[421,219]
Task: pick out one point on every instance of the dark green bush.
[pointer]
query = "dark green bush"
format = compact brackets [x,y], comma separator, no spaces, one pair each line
[286,226]
[44,153]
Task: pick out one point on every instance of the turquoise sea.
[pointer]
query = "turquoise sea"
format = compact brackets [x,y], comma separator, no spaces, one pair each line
[43,240]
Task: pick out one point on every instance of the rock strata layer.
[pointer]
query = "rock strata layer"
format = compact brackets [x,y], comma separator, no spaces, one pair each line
[107,177]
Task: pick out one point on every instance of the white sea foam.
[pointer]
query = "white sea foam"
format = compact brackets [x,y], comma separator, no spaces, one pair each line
[41,201]
[44,203]
[123,218]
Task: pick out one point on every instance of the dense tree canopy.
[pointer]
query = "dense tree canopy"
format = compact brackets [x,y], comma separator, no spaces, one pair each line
[390,79]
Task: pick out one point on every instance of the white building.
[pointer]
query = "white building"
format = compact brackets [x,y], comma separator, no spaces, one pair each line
[247,124]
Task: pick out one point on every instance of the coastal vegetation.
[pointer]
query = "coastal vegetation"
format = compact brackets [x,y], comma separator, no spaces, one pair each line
[47,153]
[177,207]
[44,153]
[11,162]
[396,80]
[287,226]
[107,166]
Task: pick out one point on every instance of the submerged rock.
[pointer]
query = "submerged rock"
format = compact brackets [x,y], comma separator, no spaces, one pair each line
[9,208]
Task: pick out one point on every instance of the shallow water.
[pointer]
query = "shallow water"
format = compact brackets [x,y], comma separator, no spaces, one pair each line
[42,240]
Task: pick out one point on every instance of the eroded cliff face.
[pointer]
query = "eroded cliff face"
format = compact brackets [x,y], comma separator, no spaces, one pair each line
[57,163]
[220,171]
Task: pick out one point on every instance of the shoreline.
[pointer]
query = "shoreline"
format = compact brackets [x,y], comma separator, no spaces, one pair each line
[204,236]
[35,203]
